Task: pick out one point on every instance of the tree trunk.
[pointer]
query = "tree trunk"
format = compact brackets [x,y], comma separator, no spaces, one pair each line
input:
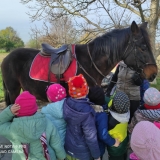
[153,20]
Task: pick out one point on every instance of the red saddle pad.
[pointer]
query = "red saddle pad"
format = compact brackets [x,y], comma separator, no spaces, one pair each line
[40,68]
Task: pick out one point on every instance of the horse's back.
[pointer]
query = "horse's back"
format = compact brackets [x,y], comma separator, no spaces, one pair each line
[17,58]
[21,53]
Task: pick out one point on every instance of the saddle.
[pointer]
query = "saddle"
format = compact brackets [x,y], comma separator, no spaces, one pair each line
[60,58]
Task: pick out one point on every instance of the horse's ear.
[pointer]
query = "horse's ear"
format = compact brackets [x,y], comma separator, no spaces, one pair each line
[134,28]
[144,25]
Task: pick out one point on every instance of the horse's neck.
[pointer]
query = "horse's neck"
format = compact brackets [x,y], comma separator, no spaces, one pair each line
[84,62]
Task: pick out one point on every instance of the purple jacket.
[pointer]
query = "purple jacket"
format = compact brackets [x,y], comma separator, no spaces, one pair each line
[81,135]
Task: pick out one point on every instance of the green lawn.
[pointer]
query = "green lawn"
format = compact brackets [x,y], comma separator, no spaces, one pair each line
[157,85]
[2,55]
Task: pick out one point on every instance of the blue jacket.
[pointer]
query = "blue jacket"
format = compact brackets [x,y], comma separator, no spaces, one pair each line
[81,135]
[54,112]
[145,85]
[102,131]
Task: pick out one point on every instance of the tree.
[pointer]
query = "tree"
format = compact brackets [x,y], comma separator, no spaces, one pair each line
[60,31]
[98,16]
[148,11]
[33,43]
[9,39]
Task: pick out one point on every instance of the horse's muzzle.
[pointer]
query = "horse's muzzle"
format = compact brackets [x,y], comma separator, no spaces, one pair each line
[153,76]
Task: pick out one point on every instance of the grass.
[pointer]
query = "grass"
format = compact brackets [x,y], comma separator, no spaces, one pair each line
[2,56]
[157,85]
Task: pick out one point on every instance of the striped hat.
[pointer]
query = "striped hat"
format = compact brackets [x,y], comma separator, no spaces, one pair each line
[121,103]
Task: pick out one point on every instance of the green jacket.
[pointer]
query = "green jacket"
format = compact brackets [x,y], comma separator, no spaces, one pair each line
[28,130]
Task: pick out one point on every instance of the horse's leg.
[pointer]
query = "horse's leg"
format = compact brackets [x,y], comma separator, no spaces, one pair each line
[11,91]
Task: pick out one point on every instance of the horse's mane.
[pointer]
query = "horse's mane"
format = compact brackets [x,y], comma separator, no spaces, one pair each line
[146,38]
[111,43]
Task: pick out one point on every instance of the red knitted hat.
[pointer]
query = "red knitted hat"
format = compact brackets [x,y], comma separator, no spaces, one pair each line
[78,86]
[28,105]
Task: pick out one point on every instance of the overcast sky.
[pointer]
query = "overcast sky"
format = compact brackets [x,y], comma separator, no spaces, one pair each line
[13,14]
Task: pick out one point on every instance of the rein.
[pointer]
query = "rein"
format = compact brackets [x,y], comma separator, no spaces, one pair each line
[80,66]
[94,63]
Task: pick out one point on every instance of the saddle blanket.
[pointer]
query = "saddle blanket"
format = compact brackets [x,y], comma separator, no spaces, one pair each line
[40,68]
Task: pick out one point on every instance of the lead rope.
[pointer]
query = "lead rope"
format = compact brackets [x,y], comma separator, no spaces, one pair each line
[94,63]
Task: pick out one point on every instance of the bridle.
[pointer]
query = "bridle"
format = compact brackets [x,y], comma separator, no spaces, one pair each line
[139,69]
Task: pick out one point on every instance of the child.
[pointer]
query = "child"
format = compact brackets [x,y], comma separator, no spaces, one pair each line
[54,111]
[145,141]
[81,135]
[97,96]
[150,111]
[143,87]
[118,122]
[31,134]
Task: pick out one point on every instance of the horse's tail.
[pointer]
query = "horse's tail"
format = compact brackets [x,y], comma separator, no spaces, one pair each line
[6,95]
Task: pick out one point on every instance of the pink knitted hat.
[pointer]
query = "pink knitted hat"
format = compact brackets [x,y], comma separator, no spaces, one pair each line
[145,141]
[56,92]
[28,105]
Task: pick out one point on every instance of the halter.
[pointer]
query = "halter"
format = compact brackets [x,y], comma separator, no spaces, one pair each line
[139,69]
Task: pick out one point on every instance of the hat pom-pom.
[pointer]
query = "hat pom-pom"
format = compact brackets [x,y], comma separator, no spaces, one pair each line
[77,82]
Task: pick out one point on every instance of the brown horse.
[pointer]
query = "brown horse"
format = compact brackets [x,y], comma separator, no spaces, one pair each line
[96,59]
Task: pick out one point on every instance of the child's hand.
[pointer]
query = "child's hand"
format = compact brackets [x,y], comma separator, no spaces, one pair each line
[14,109]
[116,143]
[98,159]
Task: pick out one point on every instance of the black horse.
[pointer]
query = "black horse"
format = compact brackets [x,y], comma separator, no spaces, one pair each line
[96,59]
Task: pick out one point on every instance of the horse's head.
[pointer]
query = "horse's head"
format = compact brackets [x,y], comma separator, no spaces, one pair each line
[138,53]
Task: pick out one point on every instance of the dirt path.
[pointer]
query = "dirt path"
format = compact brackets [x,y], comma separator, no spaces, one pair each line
[40,104]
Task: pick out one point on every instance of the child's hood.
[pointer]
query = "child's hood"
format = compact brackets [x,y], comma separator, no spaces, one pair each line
[31,127]
[55,109]
[76,111]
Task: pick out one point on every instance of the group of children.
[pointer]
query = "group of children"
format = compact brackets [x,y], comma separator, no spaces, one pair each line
[80,126]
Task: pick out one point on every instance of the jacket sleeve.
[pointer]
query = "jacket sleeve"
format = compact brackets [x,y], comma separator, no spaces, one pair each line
[90,133]
[5,125]
[113,81]
[102,129]
[136,79]
[55,143]
[135,119]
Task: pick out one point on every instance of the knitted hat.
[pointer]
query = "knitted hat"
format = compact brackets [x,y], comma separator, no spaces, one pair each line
[96,95]
[145,141]
[121,103]
[56,92]
[28,105]
[152,98]
[78,86]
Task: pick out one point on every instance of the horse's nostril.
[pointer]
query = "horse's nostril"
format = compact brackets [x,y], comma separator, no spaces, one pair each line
[152,77]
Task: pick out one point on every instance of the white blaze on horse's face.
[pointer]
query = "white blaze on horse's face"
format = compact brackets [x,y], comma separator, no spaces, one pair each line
[138,53]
